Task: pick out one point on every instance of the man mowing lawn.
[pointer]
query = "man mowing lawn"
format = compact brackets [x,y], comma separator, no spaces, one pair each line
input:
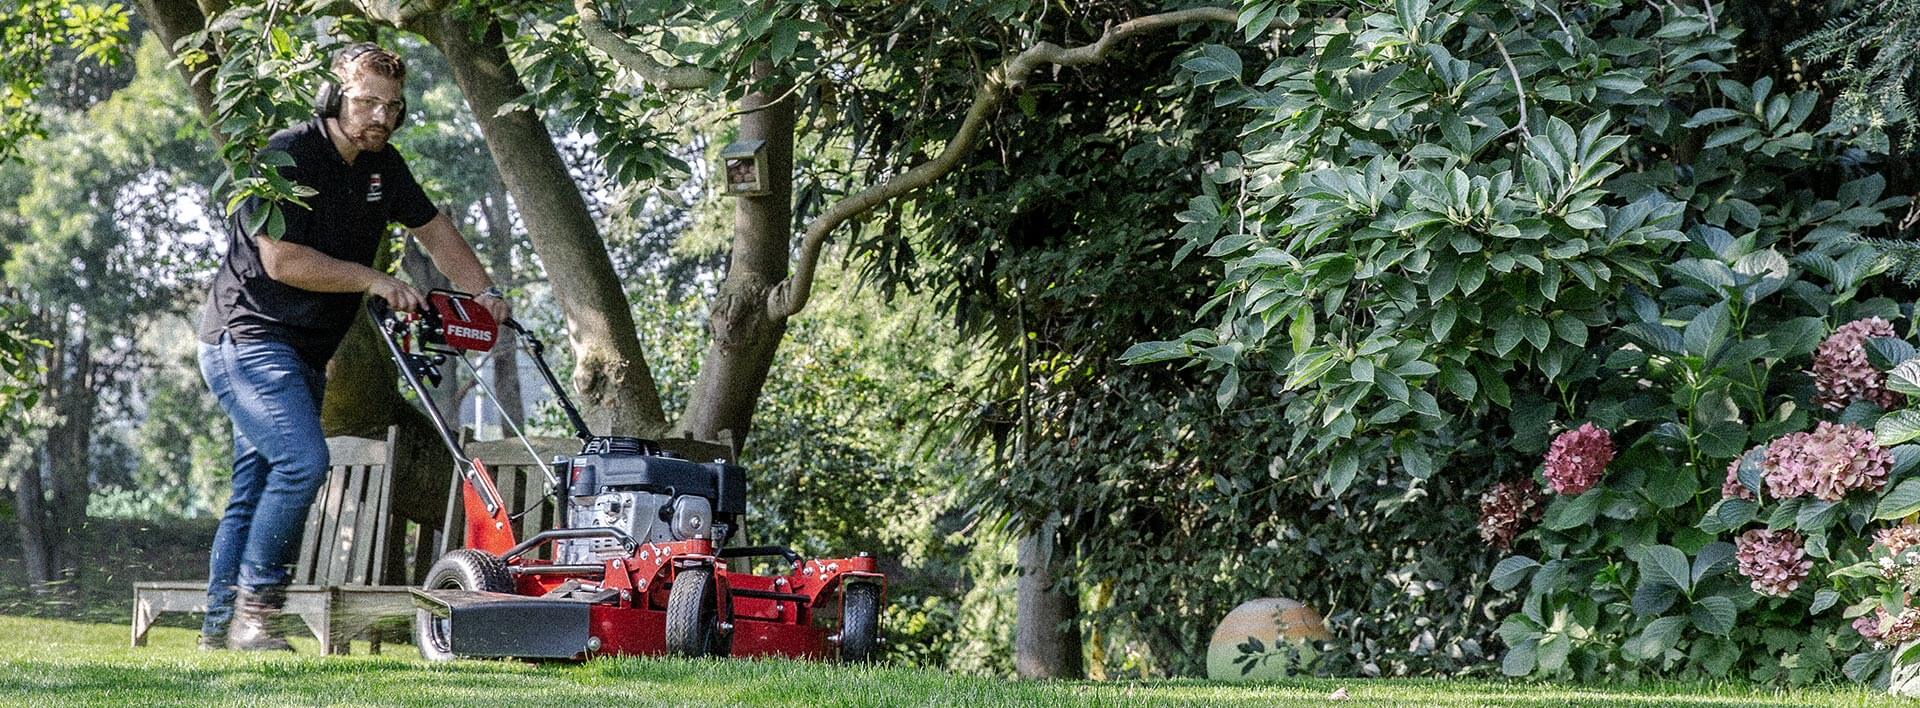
[279,307]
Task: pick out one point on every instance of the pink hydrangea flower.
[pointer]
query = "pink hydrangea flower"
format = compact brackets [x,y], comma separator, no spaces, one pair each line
[1732,488]
[1900,630]
[1841,372]
[1774,562]
[1898,538]
[1577,458]
[1826,463]
[1509,509]
[1869,626]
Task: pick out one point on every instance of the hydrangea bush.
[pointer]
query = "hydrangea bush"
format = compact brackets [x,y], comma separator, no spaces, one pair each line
[1462,236]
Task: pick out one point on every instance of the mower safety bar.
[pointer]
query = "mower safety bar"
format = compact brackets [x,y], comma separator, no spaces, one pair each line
[626,542]
[384,322]
[752,551]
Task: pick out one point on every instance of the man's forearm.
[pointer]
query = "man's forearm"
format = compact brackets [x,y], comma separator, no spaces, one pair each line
[307,269]
[452,255]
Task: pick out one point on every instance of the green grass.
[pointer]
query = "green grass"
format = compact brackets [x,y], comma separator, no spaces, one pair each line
[51,662]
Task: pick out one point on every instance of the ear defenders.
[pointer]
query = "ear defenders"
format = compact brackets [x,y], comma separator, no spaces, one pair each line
[328,102]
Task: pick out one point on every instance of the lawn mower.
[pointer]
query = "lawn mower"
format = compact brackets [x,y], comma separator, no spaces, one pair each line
[638,563]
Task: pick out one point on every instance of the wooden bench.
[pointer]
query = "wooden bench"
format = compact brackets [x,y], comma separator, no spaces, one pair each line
[356,559]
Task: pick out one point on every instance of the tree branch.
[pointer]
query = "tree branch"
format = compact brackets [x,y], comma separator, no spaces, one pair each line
[656,74]
[398,13]
[790,296]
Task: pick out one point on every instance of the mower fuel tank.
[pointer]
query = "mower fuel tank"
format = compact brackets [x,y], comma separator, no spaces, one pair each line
[725,485]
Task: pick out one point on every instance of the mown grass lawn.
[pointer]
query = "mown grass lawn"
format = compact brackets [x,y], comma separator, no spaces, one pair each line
[46,662]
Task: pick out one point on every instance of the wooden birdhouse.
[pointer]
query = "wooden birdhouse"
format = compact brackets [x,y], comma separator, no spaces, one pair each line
[746,168]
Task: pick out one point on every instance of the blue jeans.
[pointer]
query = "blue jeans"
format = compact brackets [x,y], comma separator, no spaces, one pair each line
[279,463]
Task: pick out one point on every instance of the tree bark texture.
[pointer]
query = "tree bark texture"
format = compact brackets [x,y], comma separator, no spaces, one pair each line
[1046,642]
[744,338]
[171,20]
[611,376]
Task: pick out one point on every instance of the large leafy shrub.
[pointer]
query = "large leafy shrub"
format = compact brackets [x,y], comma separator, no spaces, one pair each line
[1454,228]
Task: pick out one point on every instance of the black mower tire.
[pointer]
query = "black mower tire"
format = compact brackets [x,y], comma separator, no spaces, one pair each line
[860,623]
[692,623]
[462,569]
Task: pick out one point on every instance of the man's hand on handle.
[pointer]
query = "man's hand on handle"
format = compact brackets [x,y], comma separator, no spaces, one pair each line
[495,303]
[400,296]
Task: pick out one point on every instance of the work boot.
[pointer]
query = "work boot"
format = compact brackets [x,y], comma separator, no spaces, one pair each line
[253,614]
[210,642]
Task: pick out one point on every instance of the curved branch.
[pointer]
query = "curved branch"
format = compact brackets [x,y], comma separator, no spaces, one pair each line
[791,295]
[656,74]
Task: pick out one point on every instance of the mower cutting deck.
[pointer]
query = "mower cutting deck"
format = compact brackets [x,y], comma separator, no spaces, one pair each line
[639,564]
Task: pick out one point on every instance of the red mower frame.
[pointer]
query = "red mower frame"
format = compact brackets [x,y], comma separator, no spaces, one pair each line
[496,597]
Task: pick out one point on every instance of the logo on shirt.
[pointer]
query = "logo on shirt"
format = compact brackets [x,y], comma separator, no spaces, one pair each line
[373,187]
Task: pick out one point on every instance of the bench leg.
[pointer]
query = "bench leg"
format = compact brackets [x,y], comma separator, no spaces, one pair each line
[320,625]
[143,614]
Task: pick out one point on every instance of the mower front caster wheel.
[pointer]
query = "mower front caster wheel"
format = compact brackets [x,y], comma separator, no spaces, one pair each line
[860,623]
[692,622]
[463,569]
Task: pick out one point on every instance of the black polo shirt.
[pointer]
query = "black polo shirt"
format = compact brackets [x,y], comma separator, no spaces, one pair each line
[345,219]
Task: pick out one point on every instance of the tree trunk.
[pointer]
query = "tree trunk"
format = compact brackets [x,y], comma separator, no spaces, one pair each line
[506,360]
[30,517]
[173,19]
[610,373]
[744,338]
[30,512]
[69,451]
[1046,641]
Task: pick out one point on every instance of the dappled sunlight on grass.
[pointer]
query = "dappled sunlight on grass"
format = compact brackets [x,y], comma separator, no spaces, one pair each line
[66,663]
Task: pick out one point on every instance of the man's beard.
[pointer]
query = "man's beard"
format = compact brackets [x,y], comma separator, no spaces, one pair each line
[370,137]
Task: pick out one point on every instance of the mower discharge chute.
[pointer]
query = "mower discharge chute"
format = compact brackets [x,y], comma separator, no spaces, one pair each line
[638,563]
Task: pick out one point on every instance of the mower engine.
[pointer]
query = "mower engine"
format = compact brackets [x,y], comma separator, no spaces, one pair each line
[627,484]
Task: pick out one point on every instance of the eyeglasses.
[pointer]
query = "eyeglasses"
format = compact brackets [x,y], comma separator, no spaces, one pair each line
[371,104]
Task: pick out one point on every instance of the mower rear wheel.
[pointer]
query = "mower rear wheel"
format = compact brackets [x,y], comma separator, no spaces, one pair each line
[463,569]
[692,629]
[860,623]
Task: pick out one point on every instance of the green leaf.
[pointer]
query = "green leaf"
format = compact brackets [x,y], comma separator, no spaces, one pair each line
[1729,135]
[1822,600]
[1521,658]
[1903,501]
[1905,459]
[1458,381]
[1785,513]
[1666,564]
[1865,666]
[1817,514]
[1885,353]
[1668,487]
[1723,439]
[1553,653]
[1508,573]
[1570,512]
[1897,427]
[1714,615]
[1658,637]
[1712,559]
[1651,598]
[1707,331]
[1905,378]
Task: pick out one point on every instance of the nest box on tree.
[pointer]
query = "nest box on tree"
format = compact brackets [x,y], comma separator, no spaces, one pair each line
[746,168]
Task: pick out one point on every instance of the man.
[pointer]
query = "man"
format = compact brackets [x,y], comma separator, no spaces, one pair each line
[279,308]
